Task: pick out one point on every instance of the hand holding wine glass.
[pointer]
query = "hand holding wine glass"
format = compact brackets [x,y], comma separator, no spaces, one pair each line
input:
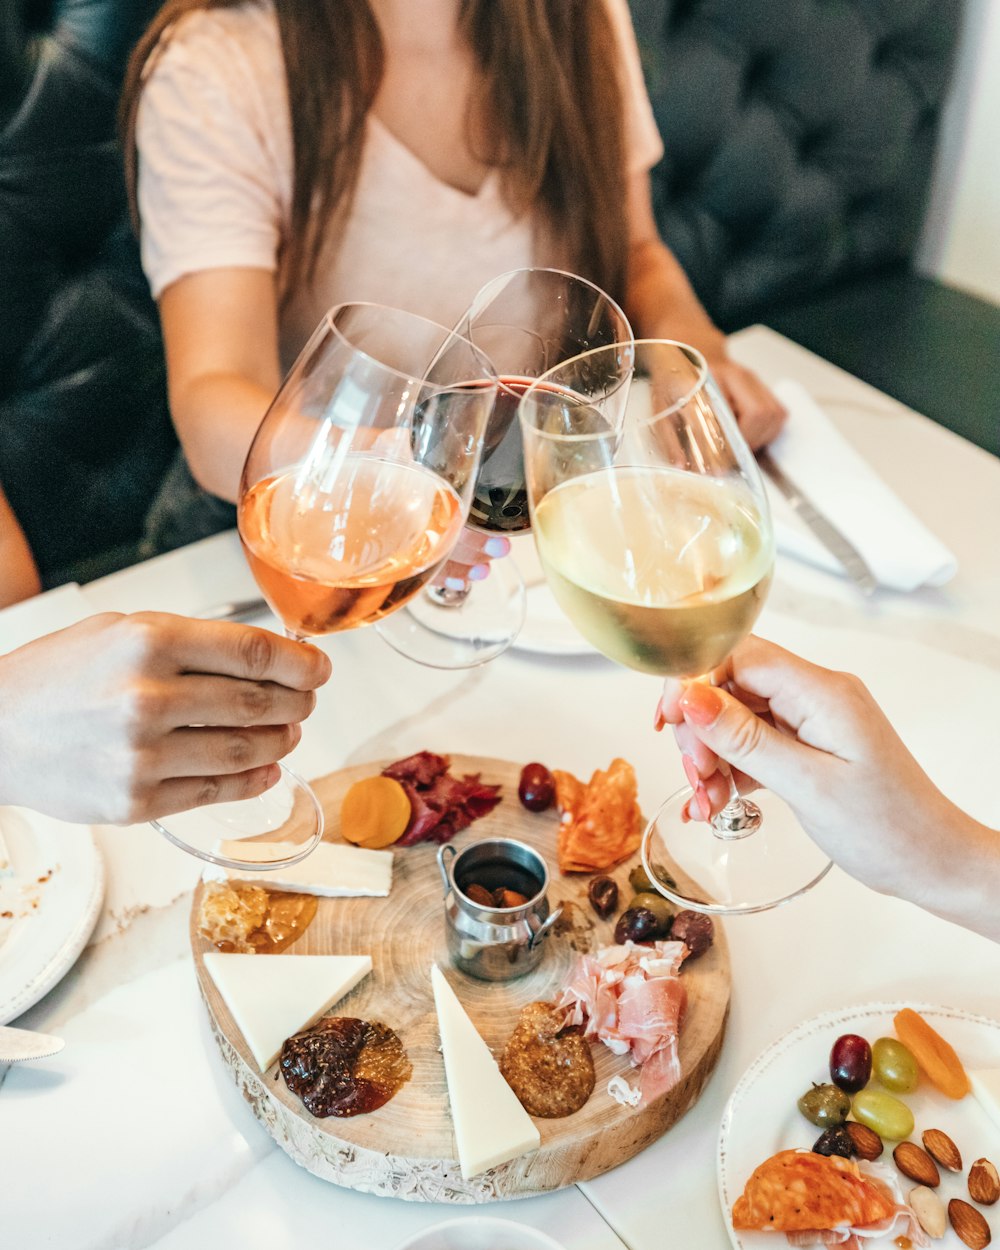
[354,491]
[652,526]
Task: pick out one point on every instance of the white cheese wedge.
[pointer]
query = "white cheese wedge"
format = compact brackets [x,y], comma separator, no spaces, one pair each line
[490,1124]
[986,1091]
[273,996]
[333,870]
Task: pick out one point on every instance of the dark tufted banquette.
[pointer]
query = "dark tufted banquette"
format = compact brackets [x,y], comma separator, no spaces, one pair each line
[84,430]
[799,139]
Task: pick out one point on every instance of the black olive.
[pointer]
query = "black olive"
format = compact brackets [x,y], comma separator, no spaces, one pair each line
[638,924]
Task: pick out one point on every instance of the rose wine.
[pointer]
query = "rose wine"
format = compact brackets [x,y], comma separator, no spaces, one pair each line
[334,559]
[500,498]
[662,570]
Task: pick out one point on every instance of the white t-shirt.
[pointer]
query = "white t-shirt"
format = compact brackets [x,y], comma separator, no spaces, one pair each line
[215,183]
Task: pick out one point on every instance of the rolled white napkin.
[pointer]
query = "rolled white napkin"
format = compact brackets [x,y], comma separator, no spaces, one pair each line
[899,549]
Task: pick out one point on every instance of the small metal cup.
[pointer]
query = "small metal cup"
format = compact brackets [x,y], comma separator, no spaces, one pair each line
[495,943]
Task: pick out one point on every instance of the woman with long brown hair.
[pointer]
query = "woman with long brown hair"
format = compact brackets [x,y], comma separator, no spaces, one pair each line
[286,155]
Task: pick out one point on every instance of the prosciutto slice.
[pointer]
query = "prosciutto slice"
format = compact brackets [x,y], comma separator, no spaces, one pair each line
[632,999]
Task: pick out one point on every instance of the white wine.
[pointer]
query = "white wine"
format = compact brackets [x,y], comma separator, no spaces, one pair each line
[662,570]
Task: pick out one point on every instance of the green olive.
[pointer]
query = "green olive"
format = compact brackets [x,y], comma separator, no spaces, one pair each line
[639,880]
[825,1106]
[894,1066]
[886,1115]
[655,903]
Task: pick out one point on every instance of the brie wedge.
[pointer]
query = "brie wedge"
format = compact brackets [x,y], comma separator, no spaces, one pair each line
[490,1124]
[986,1091]
[273,996]
[333,870]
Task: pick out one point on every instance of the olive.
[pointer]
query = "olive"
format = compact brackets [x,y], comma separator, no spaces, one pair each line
[640,880]
[834,1141]
[825,1106]
[655,903]
[537,787]
[695,930]
[884,1114]
[850,1062]
[894,1066]
[603,895]
[637,925]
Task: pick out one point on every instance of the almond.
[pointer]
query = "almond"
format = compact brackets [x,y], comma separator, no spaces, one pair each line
[916,1164]
[969,1224]
[929,1210]
[984,1183]
[867,1143]
[940,1147]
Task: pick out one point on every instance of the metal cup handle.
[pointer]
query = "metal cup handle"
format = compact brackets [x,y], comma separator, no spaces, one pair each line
[445,876]
[542,932]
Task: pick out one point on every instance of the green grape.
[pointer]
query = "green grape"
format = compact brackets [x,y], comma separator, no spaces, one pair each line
[884,1114]
[894,1066]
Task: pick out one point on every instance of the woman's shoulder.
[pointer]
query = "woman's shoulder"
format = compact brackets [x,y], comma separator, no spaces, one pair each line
[241,37]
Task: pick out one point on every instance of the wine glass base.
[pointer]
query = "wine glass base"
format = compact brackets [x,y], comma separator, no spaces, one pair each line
[698,867]
[273,830]
[460,631]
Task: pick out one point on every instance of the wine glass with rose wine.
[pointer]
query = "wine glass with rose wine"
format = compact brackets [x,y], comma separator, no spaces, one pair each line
[355,489]
[526,321]
[652,525]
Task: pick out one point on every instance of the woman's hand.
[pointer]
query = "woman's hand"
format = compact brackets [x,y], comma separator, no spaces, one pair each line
[125,718]
[470,559]
[760,413]
[820,741]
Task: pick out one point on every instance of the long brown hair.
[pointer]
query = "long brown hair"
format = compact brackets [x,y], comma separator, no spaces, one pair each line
[548,89]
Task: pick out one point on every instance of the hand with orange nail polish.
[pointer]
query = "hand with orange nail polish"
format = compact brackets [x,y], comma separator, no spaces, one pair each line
[818,739]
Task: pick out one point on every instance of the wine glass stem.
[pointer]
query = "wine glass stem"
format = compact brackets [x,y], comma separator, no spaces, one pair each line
[740,817]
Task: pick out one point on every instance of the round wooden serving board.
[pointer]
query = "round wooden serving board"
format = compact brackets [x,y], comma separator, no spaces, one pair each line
[406,1149]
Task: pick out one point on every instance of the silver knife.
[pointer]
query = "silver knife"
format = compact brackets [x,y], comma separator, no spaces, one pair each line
[239,610]
[17,1045]
[843,551]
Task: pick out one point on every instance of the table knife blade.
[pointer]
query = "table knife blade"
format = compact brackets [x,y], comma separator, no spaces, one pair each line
[841,548]
[18,1045]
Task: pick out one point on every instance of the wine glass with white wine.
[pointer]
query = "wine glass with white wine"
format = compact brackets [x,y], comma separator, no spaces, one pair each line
[652,525]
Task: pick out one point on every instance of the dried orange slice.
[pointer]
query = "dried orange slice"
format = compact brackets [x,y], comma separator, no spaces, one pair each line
[934,1056]
[374,812]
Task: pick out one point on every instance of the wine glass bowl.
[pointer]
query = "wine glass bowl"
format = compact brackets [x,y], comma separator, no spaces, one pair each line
[653,528]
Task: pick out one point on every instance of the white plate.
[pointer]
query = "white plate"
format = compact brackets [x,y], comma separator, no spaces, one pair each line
[53,897]
[547,630]
[762,1118]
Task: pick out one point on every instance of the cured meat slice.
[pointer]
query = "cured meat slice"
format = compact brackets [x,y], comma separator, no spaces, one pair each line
[441,804]
[798,1191]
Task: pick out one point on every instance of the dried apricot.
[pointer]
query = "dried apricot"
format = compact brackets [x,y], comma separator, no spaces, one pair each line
[374,812]
[934,1056]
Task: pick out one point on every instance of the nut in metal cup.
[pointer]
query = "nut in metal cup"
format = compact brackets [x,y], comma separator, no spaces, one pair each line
[489,942]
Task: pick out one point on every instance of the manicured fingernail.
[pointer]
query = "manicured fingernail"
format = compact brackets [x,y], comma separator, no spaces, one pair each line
[659,720]
[478,572]
[497,547]
[691,771]
[454,583]
[685,815]
[701,798]
[700,704]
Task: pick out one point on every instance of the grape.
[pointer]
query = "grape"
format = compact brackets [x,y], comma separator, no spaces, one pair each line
[537,787]
[894,1066]
[850,1062]
[825,1106]
[884,1114]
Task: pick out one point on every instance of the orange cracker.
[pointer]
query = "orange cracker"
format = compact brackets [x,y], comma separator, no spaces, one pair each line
[797,1191]
[601,823]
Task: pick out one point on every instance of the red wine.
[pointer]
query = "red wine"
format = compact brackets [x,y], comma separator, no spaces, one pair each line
[500,499]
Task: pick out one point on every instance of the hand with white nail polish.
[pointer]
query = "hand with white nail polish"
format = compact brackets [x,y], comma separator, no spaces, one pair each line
[819,740]
[470,559]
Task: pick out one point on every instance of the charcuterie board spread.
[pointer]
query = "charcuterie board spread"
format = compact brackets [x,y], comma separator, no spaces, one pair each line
[429,1129]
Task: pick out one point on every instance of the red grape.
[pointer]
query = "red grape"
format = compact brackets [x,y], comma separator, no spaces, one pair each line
[850,1062]
[537,787]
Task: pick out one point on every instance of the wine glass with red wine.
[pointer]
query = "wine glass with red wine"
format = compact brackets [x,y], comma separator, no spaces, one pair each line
[354,491]
[526,321]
